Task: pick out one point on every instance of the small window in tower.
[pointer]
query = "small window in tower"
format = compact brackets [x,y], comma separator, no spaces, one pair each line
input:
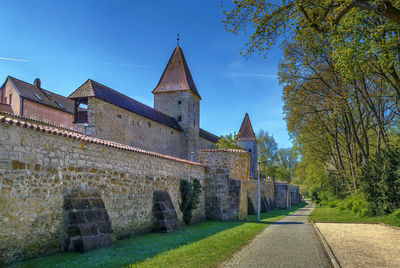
[10,98]
[179,102]
[5,100]
[119,116]
[149,124]
[249,150]
[179,118]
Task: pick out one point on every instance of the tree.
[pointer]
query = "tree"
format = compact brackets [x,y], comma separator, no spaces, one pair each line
[364,34]
[286,159]
[341,81]
[267,149]
[228,141]
[271,20]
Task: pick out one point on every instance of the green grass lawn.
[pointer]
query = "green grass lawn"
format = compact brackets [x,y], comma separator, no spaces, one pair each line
[327,214]
[200,245]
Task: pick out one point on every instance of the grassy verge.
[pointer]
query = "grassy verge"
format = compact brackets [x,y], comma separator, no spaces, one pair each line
[201,245]
[329,214]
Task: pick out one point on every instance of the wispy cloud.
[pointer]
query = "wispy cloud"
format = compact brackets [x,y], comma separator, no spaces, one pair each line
[80,61]
[225,73]
[13,59]
[96,62]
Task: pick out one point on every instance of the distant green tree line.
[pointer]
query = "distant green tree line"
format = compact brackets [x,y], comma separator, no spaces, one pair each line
[279,162]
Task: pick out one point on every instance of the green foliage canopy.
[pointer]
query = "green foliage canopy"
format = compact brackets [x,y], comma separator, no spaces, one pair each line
[228,141]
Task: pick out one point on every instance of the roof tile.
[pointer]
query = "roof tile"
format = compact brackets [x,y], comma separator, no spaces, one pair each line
[19,121]
[40,95]
[246,130]
[176,76]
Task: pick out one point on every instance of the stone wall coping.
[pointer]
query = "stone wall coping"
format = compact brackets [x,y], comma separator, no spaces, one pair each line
[58,131]
[261,180]
[34,120]
[224,151]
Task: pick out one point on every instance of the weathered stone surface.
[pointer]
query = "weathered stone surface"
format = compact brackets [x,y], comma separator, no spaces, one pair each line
[226,184]
[282,195]
[165,218]
[251,209]
[85,227]
[32,189]
[267,192]
[295,195]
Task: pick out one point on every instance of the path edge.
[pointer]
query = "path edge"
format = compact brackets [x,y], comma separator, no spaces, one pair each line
[328,250]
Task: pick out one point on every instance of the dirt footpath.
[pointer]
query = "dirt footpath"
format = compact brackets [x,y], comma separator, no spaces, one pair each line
[363,245]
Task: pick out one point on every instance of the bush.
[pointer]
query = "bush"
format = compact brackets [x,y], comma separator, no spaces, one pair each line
[396,213]
[355,203]
[190,192]
[380,182]
[333,203]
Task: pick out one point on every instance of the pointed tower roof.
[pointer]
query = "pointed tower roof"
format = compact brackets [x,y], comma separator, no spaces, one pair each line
[246,130]
[176,76]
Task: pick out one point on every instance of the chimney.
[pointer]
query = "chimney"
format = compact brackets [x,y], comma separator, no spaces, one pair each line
[37,83]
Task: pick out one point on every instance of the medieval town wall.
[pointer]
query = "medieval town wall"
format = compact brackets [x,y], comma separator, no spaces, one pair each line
[251,147]
[226,183]
[117,124]
[37,168]
[282,195]
[185,108]
[206,144]
[267,191]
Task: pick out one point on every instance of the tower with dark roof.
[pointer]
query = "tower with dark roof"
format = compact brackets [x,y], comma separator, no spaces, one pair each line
[247,140]
[176,95]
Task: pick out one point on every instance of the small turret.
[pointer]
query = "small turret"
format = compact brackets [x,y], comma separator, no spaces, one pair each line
[247,140]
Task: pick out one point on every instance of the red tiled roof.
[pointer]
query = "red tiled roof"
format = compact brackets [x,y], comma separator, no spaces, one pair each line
[19,121]
[246,130]
[224,150]
[176,76]
[42,96]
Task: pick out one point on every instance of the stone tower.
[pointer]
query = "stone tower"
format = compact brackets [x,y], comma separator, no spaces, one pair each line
[176,95]
[247,140]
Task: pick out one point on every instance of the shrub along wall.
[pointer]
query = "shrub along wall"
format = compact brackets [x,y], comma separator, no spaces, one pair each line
[38,164]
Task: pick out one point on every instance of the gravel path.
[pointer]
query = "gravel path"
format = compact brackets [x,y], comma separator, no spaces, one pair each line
[290,242]
[363,245]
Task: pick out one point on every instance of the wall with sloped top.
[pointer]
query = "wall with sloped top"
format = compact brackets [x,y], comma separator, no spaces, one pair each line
[38,164]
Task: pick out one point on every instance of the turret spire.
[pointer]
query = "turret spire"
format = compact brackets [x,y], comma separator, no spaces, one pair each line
[176,75]
[246,130]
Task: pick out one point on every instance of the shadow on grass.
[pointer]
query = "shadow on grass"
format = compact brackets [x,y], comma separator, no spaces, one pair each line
[139,248]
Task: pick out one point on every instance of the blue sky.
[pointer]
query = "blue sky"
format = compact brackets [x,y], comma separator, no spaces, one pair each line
[126,45]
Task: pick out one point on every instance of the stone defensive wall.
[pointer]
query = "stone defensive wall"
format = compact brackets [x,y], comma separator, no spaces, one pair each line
[63,191]
[40,165]
[267,192]
[226,180]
